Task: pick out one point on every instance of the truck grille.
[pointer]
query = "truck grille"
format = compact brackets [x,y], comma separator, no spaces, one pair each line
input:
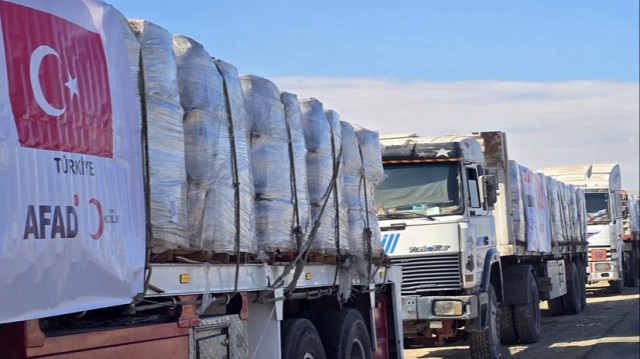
[429,273]
[599,248]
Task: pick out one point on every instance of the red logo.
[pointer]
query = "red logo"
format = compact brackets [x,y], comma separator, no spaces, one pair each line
[58,82]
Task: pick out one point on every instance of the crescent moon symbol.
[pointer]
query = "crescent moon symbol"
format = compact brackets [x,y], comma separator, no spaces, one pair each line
[36,59]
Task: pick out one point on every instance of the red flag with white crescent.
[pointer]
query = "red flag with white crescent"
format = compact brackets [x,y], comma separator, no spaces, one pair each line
[58,82]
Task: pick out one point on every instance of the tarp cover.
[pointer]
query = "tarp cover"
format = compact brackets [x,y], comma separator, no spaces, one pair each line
[72,218]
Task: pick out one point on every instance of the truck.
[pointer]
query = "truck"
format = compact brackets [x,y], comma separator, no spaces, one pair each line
[631,236]
[612,250]
[472,232]
[129,223]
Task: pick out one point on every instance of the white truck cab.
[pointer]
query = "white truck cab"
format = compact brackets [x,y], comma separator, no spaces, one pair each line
[435,215]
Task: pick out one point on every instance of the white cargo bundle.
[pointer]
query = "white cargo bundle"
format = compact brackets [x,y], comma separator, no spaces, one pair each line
[298,155]
[165,136]
[371,152]
[244,220]
[271,165]
[208,155]
[354,192]
[517,206]
[581,207]
[341,220]
[320,173]
[555,210]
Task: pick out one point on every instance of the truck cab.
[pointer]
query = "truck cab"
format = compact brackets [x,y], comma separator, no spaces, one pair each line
[603,194]
[434,209]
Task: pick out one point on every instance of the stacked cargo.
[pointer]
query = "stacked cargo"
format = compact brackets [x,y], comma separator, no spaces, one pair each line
[167,179]
[219,143]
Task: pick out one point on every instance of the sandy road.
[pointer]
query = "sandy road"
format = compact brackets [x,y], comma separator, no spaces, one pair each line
[608,328]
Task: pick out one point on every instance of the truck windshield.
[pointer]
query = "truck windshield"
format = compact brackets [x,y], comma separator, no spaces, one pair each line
[597,208]
[430,189]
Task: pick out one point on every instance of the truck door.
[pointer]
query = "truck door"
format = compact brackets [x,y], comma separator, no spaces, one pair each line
[479,216]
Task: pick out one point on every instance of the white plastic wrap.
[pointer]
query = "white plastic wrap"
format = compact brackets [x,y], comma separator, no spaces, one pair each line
[353,188]
[517,206]
[342,216]
[371,150]
[271,164]
[238,119]
[581,206]
[165,137]
[72,214]
[208,155]
[534,202]
[555,210]
[573,211]
[317,136]
[299,162]
[634,215]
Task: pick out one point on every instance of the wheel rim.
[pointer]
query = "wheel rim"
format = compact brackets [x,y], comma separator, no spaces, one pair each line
[357,350]
[309,355]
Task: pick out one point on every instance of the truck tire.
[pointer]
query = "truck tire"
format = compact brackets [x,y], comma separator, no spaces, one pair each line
[344,335]
[631,270]
[486,344]
[556,307]
[300,340]
[573,299]
[527,315]
[582,278]
[616,286]
[508,333]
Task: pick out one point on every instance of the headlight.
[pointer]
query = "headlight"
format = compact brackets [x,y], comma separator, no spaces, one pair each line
[602,267]
[447,307]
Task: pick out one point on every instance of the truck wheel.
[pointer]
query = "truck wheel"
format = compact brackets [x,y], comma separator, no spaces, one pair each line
[616,286]
[486,344]
[344,335]
[631,274]
[573,299]
[582,278]
[507,328]
[527,315]
[556,307]
[300,340]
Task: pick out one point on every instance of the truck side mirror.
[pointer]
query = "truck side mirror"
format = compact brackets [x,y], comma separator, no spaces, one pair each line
[488,189]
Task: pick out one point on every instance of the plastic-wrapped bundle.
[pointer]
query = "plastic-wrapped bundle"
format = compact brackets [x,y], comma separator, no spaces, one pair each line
[208,157]
[271,165]
[317,137]
[298,153]
[535,203]
[342,216]
[240,125]
[133,52]
[353,188]
[165,136]
[554,210]
[371,150]
[543,207]
[565,214]
[517,207]
[573,211]
[582,214]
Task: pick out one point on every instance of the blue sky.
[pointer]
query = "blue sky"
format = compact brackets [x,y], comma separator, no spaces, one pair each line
[559,76]
[444,40]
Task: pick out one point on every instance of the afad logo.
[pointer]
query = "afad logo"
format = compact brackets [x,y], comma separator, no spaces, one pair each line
[50,222]
[58,82]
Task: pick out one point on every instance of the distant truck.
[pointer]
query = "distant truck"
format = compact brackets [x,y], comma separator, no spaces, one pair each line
[473,233]
[608,213]
[631,236]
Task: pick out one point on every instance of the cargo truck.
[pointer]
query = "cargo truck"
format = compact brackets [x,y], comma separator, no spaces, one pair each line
[96,255]
[631,236]
[473,233]
[612,251]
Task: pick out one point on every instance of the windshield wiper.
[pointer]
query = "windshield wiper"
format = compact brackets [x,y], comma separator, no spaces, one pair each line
[405,215]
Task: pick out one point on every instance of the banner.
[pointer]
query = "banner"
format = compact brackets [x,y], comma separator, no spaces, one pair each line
[72,221]
[536,211]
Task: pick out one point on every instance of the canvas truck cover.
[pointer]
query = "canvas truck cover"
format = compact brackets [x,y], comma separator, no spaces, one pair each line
[72,218]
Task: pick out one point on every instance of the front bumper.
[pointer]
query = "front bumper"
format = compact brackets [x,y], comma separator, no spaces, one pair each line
[603,271]
[423,308]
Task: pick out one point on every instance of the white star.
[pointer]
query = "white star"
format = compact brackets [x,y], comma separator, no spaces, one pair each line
[442,152]
[422,154]
[72,84]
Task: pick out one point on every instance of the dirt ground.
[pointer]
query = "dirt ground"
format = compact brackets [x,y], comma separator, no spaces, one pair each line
[608,328]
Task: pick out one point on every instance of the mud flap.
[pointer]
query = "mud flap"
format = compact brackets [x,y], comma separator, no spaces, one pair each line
[516,284]
[480,322]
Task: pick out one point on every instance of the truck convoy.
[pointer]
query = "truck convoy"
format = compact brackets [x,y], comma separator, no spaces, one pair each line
[158,205]
[481,240]
[612,223]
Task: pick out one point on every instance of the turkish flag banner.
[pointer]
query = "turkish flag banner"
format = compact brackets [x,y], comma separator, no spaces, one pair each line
[58,82]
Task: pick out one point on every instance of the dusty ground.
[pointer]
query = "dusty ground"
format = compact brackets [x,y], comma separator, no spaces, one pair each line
[608,328]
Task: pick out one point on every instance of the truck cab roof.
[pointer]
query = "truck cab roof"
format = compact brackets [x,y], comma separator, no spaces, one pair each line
[408,148]
[590,176]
